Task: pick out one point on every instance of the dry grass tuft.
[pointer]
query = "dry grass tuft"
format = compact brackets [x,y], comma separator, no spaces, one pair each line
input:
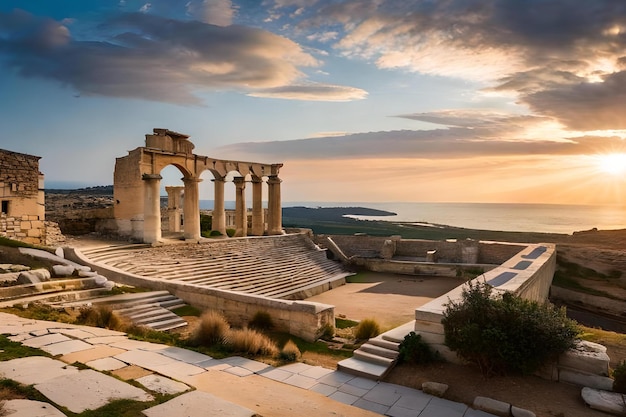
[366,329]
[250,341]
[290,352]
[211,329]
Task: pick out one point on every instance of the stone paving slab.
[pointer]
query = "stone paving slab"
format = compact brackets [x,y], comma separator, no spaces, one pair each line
[162,384]
[128,344]
[29,408]
[96,390]
[96,352]
[276,374]
[178,370]
[198,404]
[131,372]
[106,340]
[64,348]
[185,355]
[238,371]
[74,333]
[300,381]
[48,339]
[145,359]
[249,364]
[34,369]
[106,364]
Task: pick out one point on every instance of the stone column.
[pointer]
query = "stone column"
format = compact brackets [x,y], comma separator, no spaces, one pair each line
[174,212]
[257,207]
[218,221]
[191,209]
[241,213]
[152,208]
[274,209]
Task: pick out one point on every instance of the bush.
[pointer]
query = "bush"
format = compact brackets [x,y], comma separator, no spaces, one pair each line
[506,334]
[211,329]
[366,329]
[261,321]
[619,378]
[250,341]
[414,350]
[290,352]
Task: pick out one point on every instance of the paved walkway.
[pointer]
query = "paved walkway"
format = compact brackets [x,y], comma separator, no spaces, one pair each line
[234,386]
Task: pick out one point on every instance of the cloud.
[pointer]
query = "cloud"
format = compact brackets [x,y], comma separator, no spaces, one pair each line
[312,92]
[585,105]
[215,12]
[550,53]
[155,58]
[471,135]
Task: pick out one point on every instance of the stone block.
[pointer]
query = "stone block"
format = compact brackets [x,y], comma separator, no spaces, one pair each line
[609,402]
[25,225]
[434,388]
[585,379]
[492,406]
[28,277]
[586,357]
[63,270]
[520,412]
[34,233]
[42,273]
[428,326]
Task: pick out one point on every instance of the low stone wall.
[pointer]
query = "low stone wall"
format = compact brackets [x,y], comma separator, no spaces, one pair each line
[25,228]
[304,319]
[528,274]
[418,268]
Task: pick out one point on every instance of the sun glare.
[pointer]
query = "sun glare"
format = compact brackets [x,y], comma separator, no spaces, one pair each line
[613,164]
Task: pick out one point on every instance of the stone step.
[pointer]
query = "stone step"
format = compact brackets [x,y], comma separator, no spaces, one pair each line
[379,351]
[355,366]
[372,358]
[47,287]
[57,298]
[387,344]
[397,335]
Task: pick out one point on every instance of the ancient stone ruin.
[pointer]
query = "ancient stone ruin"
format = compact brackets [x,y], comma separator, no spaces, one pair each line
[137,179]
[21,198]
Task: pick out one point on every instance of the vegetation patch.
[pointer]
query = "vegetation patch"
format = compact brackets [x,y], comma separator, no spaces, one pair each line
[366,329]
[345,323]
[503,333]
[13,350]
[414,350]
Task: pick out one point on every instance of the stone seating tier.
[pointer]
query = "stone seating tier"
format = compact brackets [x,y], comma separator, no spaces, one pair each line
[284,267]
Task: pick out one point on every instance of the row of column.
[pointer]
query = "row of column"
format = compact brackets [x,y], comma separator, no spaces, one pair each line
[191,207]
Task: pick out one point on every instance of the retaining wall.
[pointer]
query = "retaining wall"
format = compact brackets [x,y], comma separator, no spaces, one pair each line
[304,319]
[528,274]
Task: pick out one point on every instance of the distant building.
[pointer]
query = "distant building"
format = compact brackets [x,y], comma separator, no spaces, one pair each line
[21,197]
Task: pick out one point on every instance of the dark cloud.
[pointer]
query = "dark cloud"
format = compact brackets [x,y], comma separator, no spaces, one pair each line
[550,53]
[584,106]
[151,57]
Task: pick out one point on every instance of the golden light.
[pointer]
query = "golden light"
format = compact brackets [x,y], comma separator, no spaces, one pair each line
[613,164]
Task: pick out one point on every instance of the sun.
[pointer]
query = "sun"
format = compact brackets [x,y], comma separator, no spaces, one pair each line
[613,164]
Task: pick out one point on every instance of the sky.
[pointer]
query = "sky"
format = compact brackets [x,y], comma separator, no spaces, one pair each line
[504,101]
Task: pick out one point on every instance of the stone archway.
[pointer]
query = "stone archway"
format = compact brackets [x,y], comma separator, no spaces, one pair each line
[137,179]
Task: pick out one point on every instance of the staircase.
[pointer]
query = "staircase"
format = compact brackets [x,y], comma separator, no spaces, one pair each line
[151,309]
[376,357]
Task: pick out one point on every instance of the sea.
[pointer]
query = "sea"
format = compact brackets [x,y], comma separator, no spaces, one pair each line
[545,218]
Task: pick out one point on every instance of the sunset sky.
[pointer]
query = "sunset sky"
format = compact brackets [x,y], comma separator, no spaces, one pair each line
[518,101]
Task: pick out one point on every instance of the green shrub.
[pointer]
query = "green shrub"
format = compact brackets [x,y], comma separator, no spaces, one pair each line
[249,341]
[290,352]
[230,232]
[414,350]
[619,378]
[211,329]
[366,329]
[261,321]
[505,333]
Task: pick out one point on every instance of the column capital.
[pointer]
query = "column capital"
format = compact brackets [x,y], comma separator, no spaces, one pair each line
[191,180]
[273,179]
[256,180]
[151,177]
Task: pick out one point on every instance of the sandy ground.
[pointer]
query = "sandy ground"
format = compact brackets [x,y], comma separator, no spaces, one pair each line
[391,299]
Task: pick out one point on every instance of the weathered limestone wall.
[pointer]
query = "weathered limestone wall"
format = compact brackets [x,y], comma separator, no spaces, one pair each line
[22,197]
[300,318]
[128,196]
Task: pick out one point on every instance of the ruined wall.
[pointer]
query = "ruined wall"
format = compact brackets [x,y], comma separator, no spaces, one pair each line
[22,198]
